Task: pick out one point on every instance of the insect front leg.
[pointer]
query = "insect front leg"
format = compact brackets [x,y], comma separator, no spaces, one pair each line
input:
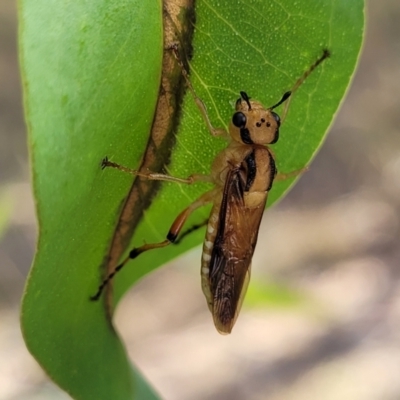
[153,176]
[170,238]
[199,103]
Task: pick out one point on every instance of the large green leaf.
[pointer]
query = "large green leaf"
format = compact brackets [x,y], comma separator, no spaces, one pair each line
[87,74]
[91,76]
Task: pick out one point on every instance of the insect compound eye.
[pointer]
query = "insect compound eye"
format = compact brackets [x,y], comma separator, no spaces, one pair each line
[276,118]
[239,119]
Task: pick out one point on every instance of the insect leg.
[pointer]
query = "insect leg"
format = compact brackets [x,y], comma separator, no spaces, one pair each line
[326,53]
[156,176]
[199,103]
[190,230]
[283,176]
[171,237]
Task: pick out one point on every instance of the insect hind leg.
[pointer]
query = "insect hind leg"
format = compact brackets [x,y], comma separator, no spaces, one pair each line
[172,235]
[190,230]
[132,255]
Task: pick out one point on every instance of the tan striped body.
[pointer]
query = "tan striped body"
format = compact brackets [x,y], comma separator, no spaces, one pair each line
[208,245]
[232,228]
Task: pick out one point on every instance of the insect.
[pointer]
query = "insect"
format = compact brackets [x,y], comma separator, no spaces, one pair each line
[242,175]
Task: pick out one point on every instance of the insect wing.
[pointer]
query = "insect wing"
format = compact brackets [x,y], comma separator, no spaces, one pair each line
[233,250]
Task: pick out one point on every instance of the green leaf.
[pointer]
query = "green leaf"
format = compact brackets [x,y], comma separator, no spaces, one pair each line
[91,78]
[87,71]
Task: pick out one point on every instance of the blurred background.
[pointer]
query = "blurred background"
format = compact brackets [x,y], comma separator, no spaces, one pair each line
[322,316]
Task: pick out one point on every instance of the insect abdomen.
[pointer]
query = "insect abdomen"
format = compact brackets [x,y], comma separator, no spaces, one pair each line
[208,245]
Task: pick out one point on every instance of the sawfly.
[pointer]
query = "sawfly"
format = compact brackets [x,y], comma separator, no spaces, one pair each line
[242,175]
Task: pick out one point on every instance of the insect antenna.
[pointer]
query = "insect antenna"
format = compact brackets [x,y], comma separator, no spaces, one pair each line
[246,98]
[282,100]
[325,54]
